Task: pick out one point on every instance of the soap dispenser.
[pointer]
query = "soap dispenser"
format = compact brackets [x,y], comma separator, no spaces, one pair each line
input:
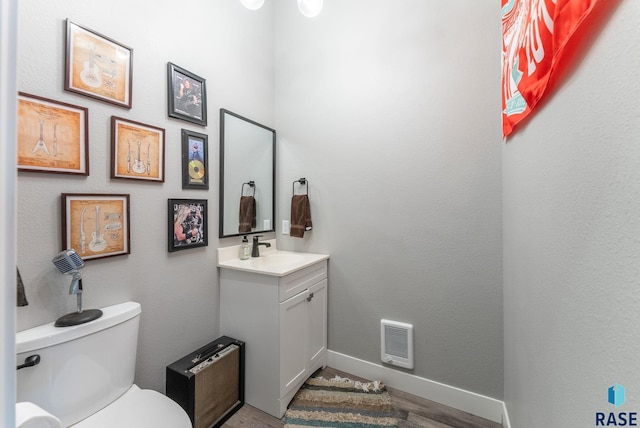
[245,249]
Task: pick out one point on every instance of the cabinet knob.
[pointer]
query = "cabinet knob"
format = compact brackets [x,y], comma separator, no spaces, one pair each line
[310,297]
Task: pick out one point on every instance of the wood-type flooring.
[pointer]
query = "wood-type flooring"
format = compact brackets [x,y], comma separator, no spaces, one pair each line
[411,412]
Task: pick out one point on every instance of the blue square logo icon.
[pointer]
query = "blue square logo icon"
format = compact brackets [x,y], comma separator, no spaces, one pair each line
[616,395]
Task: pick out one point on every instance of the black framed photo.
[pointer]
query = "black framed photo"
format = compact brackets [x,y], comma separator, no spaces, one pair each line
[187,95]
[187,224]
[195,160]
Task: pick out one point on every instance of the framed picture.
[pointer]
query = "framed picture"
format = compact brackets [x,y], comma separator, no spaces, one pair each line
[195,160]
[137,150]
[187,95]
[52,136]
[97,66]
[187,224]
[96,225]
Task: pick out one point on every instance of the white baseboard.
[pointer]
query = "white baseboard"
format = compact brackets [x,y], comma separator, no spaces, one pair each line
[470,402]
[505,417]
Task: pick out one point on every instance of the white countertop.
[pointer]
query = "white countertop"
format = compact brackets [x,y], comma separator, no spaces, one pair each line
[271,261]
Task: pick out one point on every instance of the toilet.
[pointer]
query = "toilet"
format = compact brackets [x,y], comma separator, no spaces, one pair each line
[85,374]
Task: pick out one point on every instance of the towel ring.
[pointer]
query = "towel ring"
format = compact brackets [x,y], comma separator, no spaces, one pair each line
[303,182]
[252,185]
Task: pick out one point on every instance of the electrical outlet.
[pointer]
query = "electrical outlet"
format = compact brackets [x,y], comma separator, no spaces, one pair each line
[285,227]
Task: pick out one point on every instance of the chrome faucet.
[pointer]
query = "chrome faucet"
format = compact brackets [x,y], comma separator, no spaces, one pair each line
[255,250]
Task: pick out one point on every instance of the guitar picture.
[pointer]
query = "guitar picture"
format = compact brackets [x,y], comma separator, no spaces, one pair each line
[129,156]
[40,145]
[91,73]
[97,243]
[149,159]
[138,165]
[83,238]
[55,140]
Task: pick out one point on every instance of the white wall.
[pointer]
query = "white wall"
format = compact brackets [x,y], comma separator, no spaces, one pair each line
[571,186]
[391,111]
[232,48]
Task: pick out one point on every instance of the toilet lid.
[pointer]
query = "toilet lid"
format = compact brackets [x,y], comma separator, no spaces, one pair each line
[139,408]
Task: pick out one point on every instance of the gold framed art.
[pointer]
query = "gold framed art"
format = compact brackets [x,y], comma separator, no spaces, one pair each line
[96,225]
[137,150]
[52,136]
[97,66]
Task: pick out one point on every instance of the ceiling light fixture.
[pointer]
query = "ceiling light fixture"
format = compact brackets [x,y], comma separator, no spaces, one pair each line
[308,8]
[252,4]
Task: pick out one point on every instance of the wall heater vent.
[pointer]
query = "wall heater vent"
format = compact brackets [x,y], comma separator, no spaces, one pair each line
[396,340]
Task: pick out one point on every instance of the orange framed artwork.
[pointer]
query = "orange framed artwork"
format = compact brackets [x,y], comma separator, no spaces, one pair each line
[52,136]
[96,225]
[137,150]
[97,66]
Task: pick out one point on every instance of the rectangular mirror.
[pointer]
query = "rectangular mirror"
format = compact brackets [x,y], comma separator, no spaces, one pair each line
[247,176]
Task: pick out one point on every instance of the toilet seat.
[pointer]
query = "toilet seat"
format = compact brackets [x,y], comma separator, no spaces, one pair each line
[139,408]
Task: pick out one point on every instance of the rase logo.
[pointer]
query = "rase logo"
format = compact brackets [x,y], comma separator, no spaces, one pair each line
[616,396]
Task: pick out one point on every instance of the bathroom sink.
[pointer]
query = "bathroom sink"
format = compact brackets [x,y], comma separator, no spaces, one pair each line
[271,261]
[279,258]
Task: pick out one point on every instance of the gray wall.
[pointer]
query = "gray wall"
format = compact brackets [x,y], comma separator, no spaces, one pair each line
[571,187]
[220,41]
[8,42]
[391,110]
[391,114]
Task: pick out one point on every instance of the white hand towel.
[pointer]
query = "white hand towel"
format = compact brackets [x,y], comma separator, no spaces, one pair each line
[29,415]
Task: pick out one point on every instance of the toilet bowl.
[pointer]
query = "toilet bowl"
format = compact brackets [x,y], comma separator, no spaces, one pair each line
[138,408]
[85,374]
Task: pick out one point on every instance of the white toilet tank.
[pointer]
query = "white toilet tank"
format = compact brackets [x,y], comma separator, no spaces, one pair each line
[82,368]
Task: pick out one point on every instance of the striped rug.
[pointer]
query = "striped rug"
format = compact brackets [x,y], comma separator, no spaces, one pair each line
[340,403]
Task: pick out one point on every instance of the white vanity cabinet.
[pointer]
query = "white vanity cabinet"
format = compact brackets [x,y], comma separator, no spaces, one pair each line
[283,321]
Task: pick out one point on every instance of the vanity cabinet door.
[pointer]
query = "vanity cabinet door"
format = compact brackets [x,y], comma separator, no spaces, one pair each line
[303,336]
[317,316]
[293,342]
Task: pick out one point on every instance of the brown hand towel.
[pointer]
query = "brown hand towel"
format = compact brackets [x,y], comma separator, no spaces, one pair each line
[247,214]
[300,215]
